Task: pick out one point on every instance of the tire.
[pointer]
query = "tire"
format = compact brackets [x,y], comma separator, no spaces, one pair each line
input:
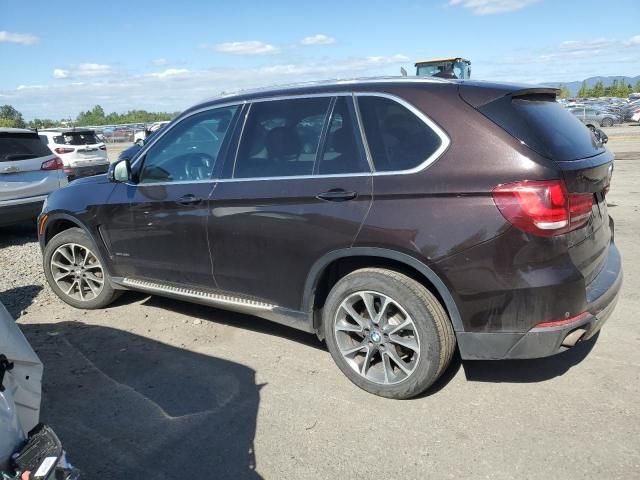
[89,284]
[607,122]
[427,333]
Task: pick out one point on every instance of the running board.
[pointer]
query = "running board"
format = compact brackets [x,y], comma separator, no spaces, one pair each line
[268,311]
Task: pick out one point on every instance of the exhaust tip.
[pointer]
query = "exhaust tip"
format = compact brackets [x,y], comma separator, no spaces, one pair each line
[573,337]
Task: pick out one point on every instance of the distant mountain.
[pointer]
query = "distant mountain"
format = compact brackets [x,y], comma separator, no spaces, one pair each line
[591,82]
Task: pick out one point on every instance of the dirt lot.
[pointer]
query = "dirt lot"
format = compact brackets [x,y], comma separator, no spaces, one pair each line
[155,388]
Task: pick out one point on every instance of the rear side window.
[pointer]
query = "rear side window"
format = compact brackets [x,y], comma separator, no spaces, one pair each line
[544,126]
[21,146]
[397,139]
[342,152]
[281,138]
[76,138]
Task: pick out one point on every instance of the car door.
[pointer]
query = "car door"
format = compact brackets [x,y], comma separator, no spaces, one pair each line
[298,188]
[156,224]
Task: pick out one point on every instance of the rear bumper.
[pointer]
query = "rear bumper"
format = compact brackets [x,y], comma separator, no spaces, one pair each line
[21,212]
[602,295]
[86,171]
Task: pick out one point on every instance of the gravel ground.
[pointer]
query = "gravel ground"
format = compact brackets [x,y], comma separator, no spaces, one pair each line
[156,388]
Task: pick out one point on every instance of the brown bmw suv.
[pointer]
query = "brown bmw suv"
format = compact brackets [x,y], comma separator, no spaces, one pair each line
[394,218]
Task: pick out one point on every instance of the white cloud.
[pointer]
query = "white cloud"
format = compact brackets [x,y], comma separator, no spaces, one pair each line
[175,89]
[169,72]
[251,47]
[159,62]
[60,73]
[490,7]
[85,70]
[19,38]
[30,87]
[318,39]
[633,41]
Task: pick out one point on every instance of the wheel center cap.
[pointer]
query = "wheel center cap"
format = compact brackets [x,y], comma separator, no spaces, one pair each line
[375,337]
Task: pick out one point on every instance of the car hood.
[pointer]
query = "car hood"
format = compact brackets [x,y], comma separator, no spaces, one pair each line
[20,400]
[92,179]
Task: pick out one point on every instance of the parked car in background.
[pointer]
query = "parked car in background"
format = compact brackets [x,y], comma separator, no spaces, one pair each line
[142,135]
[595,118]
[81,151]
[29,172]
[349,210]
[25,444]
[130,152]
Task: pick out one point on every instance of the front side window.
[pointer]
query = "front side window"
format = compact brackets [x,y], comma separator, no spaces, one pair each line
[281,138]
[189,151]
[397,138]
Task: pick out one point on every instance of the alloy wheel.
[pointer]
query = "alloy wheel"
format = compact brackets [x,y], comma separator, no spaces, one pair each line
[377,337]
[77,272]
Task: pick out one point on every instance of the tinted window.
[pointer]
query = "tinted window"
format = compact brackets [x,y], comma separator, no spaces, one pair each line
[397,138]
[544,126]
[44,139]
[281,138]
[76,138]
[188,152]
[21,146]
[341,150]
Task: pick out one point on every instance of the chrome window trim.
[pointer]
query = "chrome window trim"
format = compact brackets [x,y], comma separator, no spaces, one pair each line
[444,145]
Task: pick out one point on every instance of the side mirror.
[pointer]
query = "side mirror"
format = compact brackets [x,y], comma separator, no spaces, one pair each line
[601,136]
[120,172]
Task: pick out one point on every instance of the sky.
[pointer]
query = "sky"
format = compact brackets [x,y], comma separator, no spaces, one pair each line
[60,58]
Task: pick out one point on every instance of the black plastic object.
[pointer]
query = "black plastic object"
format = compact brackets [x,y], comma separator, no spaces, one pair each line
[5,366]
[41,454]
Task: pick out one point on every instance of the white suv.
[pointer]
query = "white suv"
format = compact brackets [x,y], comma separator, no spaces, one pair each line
[29,172]
[81,151]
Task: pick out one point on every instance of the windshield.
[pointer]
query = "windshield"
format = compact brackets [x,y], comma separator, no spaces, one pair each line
[430,70]
[76,138]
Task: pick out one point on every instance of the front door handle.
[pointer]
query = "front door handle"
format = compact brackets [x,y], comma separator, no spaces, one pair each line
[337,195]
[189,199]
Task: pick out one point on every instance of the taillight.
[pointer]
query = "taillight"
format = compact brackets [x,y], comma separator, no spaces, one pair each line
[64,150]
[54,164]
[543,208]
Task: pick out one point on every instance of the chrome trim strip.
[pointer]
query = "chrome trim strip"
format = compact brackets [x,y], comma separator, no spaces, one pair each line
[196,294]
[23,201]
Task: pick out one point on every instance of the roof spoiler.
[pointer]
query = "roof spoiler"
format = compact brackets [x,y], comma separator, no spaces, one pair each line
[478,94]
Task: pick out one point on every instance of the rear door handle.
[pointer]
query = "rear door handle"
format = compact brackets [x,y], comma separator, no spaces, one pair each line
[189,199]
[337,195]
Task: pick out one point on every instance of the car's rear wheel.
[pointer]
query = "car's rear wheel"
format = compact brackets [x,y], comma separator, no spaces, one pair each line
[75,271]
[607,122]
[387,333]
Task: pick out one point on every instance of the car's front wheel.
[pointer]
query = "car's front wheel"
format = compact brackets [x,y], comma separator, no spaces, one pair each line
[75,271]
[387,333]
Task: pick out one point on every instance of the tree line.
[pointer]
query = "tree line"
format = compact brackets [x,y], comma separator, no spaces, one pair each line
[619,88]
[10,117]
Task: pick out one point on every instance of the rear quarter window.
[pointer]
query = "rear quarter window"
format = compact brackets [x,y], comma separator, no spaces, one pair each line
[397,138]
[21,146]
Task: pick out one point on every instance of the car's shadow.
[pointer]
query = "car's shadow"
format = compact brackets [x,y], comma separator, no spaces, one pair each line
[126,406]
[18,234]
[211,314]
[18,299]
